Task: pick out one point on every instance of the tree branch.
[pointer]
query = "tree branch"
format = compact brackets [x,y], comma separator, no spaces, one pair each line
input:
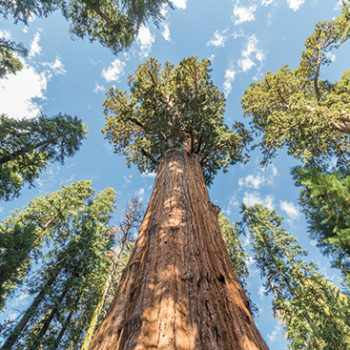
[149,156]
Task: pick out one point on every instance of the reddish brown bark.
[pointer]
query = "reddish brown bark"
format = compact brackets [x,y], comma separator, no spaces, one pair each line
[179,290]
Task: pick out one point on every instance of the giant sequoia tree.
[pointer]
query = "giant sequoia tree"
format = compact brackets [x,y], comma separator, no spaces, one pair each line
[179,289]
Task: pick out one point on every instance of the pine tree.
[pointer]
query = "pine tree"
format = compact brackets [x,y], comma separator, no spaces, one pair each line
[72,280]
[297,109]
[179,289]
[26,147]
[24,233]
[325,197]
[127,230]
[315,313]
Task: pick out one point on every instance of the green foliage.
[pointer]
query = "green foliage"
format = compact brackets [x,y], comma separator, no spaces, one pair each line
[27,145]
[113,23]
[73,274]
[234,248]
[325,197]
[296,109]
[8,62]
[172,107]
[45,219]
[316,315]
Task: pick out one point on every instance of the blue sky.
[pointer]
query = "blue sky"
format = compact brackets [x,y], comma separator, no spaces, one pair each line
[243,39]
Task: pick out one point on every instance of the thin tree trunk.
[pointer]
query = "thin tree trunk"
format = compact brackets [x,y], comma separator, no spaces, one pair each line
[28,314]
[179,289]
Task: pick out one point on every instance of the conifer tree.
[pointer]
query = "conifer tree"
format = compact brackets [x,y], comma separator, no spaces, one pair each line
[297,109]
[113,23]
[127,232]
[9,63]
[26,147]
[179,289]
[325,197]
[71,280]
[43,220]
[315,313]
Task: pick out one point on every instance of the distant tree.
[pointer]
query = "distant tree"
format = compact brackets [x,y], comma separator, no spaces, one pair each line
[315,313]
[179,289]
[297,109]
[325,197]
[43,220]
[234,248]
[26,146]
[71,280]
[127,230]
[114,23]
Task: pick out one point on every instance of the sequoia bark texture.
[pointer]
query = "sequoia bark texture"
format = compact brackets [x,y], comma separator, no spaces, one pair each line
[179,290]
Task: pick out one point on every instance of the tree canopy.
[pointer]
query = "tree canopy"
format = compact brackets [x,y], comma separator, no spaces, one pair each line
[114,23]
[26,147]
[325,197]
[297,109]
[173,107]
[314,311]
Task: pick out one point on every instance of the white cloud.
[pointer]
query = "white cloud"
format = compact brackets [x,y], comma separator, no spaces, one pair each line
[243,14]
[18,91]
[250,53]
[149,175]
[219,39]
[145,40]
[4,34]
[266,2]
[251,198]
[166,32]
[35,48]
[264,176]
[261,291]
[338,5]
[331,56]
[98,88]
[181,4]
[290,209]
[229,78]
[114,71]
[141,194]
[57,67]
[295,4]
[273,335]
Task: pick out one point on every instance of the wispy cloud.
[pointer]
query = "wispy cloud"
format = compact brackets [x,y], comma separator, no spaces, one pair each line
[181,4]
[266,2]
[166,32]
[229,78]
[35,48]
[295,4]
[98,88]
[218,39]
[264,176]
[250,54]
[251,198]
[114,71]
[56,67]
[243,14]
[290,209]
[145,41]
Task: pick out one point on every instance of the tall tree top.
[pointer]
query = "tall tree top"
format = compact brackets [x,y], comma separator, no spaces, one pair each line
[299,110]
[173,107]
[113,23]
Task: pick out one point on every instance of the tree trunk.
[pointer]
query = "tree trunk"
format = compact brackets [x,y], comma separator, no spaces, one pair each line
[179,290]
